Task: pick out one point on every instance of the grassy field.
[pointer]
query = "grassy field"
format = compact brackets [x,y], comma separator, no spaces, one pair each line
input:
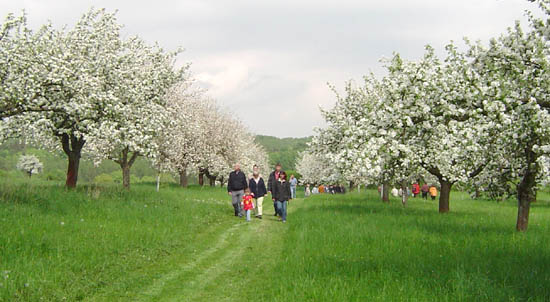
[105,244]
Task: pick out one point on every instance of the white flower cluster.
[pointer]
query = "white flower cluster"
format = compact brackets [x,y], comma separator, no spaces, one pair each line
[316,169]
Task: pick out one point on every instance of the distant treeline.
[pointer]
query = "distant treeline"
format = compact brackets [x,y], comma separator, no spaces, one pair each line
[283,150]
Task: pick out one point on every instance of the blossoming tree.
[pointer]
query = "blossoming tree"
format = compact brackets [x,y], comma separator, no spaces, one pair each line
[76,66]
[145,76]
[515,68]
[29,164]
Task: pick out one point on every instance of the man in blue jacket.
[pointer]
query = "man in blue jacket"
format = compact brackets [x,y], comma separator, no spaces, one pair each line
[235,187]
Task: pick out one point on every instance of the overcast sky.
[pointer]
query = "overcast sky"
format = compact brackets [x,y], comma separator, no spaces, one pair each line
[269,62]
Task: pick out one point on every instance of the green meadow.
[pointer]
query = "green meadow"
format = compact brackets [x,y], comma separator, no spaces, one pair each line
[101,243]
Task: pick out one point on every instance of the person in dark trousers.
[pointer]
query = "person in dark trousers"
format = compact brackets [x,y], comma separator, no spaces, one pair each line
[257,187]
[281,193]
[425,189]
[273,177]
[235,187]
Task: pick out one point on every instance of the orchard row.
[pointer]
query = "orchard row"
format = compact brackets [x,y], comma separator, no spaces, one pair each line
[478,117]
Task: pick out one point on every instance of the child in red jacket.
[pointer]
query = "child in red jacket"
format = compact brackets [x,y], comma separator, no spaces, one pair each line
[248,203]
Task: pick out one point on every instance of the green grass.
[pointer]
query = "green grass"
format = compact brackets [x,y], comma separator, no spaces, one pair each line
[106,244]
[67,245]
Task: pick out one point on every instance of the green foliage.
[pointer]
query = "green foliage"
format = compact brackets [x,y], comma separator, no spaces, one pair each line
[104,179]
[283,150]
[54,175]
[148,179]
[166,178]
[293,172]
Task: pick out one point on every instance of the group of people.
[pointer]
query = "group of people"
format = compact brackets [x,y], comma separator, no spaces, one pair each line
[416,190]
[248,195]
[332,189]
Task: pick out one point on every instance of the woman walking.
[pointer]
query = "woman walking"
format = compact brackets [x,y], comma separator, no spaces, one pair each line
[257,187]
[281,193]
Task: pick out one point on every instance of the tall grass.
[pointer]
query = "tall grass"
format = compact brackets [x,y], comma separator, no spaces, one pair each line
[66,245]
[355,248]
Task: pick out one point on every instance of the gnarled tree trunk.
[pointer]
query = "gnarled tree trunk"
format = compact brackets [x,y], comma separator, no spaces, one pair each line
[72,146]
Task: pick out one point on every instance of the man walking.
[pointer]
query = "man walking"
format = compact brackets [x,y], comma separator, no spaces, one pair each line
[235,187]
[273,178]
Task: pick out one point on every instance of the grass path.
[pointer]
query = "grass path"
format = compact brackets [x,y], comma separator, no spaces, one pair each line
[235,253]
[161,285]
[222,271]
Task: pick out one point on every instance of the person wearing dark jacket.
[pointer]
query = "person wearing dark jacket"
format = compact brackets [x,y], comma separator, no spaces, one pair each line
[257,187]
[281,192]
[235,187]
[273,178]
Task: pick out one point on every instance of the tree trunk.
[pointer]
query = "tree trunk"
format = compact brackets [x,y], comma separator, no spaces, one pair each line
[351,185]
[526,195]
[477,193]
[212,180]
[386,192]
[221,182]
[72,146]
[125,165]
[201,178]
[405,193]
[183,178]
[126,176]
[444,196]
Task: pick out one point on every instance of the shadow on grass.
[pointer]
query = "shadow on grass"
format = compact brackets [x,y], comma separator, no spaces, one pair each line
[457,222]
[472,274]
[384,209]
